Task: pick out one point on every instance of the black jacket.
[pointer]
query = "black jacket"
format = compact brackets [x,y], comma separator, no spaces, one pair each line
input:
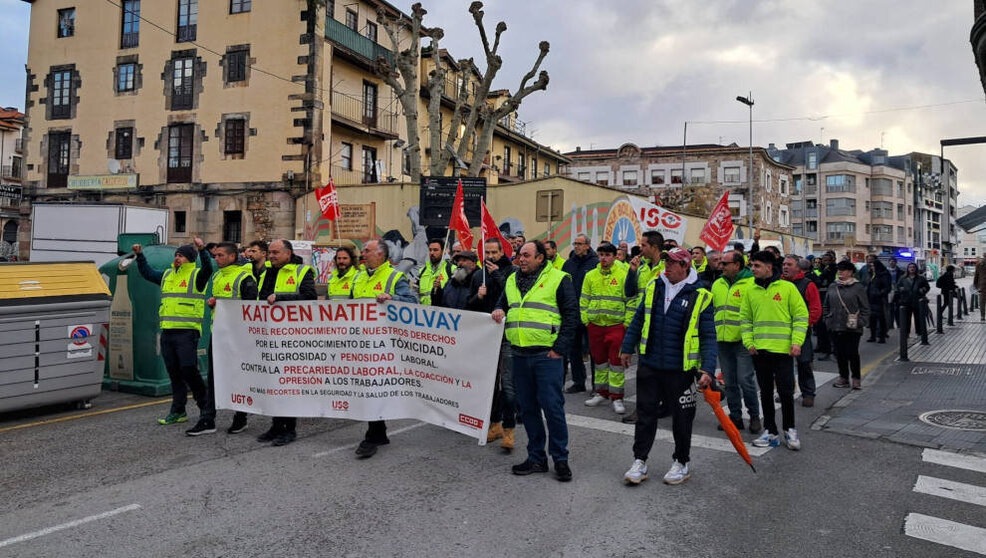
[910,290]
[577,267]
[458,295]
[878,286]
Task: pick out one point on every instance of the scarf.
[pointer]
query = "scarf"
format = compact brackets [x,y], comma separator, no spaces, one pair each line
[846,282]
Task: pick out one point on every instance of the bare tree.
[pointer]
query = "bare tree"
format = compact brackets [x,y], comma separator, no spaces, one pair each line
[474,115]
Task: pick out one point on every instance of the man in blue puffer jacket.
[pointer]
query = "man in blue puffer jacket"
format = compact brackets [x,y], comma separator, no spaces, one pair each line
[674,331]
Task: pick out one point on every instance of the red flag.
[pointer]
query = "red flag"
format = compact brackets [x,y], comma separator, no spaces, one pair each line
[328,201]
[490,230]
[719,228]
[458,222]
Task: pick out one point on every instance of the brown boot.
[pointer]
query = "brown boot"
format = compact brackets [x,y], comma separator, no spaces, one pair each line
[495,432]
[507,442]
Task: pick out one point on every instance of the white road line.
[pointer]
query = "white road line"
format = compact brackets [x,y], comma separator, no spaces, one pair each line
[968,493]
[942,531]
[969,462]
[698,441]
[353,446]
[69,525]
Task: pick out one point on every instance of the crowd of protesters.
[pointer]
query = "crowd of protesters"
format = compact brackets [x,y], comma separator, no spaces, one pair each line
[679,315]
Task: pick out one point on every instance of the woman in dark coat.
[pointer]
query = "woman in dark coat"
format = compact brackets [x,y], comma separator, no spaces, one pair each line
[877,290]
[845,297]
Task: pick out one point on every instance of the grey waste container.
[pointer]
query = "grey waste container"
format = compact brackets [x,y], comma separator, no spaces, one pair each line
[53,320]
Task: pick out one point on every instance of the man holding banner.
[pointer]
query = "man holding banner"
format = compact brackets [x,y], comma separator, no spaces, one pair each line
[541,312]
[382,282]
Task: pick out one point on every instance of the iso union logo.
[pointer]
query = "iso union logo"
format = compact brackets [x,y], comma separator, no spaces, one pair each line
[79,335]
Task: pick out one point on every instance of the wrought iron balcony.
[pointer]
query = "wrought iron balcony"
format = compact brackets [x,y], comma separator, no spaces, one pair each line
[357,114]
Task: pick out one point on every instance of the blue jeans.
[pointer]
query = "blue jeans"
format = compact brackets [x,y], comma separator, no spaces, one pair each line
[538,382]
[740,379]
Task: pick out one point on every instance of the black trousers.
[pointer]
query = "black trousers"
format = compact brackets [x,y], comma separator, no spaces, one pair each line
[878,323]
[677,388]
[376,432]
[847,353]
[180,352]
[824,345]
[775,368]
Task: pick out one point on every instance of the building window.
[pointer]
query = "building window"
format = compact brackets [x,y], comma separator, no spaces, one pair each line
[130,30]
[768,217]
[180,152]
[521,165]
[66,22]
[840,207]
[547,168]
[182,83]
[59,145]
[630,178]
[731,175]
[900,212]
[370,104]
[676,176]
[179,221]
[15,167]
[783,186]
[369,165]
[236,65]
[330,8]
[239,6]
[233,226]
[782,217]
[371,31]
[188,18]
[585,176]
[550,206]
[125,77]
[506,159]
[61,100]
[657,177]
[235,136]
[602,178]
[812,160]
[124,143]
[347,156]
[352,20]
[835,183]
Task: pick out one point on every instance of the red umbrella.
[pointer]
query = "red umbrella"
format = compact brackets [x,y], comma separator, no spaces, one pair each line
[714,398]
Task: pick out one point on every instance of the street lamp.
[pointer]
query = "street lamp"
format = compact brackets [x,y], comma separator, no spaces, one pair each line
[748,101]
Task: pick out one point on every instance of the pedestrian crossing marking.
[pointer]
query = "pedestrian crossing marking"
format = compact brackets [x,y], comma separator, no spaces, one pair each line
[698,441]
[959,491]
[943,531]
[949,459]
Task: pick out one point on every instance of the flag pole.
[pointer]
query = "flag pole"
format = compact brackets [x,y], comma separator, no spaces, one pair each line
[482,234]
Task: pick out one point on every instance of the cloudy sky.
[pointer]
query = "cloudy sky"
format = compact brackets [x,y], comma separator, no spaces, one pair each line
[900,73]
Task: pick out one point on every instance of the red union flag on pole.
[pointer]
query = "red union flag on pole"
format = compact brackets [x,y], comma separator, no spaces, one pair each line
[490,230]
[328,201]
[458,221]
[719,228]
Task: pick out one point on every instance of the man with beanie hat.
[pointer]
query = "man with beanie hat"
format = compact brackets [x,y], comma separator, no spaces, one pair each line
[181,313]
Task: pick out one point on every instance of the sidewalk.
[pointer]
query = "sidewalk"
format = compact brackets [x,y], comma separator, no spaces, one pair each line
[937,400]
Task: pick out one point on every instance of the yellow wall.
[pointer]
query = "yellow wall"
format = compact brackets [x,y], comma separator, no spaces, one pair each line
[272,30]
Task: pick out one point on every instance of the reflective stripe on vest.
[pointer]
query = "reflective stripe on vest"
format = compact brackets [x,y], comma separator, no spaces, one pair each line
[727,300]
[341,287]
[182,306]
[383,280]
[533,319]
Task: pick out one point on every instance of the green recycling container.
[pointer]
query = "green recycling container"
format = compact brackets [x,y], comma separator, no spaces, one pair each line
[133,359]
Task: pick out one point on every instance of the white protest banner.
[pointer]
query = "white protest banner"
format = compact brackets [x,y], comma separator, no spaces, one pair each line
[357,359]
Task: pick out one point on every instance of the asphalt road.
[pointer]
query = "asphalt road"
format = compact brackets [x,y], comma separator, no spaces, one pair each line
[114,483]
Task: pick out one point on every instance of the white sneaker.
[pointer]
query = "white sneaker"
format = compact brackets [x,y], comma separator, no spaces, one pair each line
[637,473]
[677,474]
[595,400]
[766,440]
[791,439]
[619,407]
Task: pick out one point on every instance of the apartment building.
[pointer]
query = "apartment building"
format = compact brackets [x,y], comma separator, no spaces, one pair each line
[969,246]
[12,167]
[936,197]
[225,112]
[852,202]
[692,179]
